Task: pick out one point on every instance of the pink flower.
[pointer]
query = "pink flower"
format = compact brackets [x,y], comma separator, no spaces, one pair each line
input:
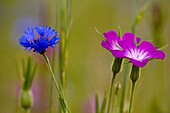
[127,48]
[112,42]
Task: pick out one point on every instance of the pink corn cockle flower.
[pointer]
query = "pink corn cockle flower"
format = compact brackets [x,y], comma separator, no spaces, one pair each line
[127,47]
[140,55]
[112,42]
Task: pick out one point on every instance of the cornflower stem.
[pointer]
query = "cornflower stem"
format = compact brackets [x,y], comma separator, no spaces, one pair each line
[51,83]
[110,93]
[131,97]
[27,110]
[59,89]
[51,95]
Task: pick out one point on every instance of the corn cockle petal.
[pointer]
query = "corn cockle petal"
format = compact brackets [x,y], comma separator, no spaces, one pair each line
[106,45]
[111,37]
[147,46]
[127,45]
[137,63]
[111,42]
[131,37]
[118,53]
[157,55]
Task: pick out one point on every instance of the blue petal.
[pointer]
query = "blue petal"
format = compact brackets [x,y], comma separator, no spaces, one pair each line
[40,45]
[47,37]
[53,41]
[25,43]
[40,31]
[50,32]
[29,34]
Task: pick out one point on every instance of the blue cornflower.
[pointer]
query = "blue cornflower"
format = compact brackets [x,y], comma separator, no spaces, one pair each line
[39,39]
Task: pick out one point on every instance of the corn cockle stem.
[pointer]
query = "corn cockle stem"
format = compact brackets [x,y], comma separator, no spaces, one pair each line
[116,67]
[124,88]
[110,93]
[117,88]
[59,89]
[131,97]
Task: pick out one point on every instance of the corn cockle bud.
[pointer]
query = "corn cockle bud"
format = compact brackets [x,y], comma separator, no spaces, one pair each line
[116,67]
[134,76]
[117,86]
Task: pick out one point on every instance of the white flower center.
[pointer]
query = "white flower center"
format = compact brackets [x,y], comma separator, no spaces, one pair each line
[115,46]
[137,54]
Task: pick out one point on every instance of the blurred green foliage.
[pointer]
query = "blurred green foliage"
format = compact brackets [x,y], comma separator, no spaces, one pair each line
[89,65]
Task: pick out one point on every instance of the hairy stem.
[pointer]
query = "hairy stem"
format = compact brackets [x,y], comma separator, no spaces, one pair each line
[110,93]
[131,97]
[59,89]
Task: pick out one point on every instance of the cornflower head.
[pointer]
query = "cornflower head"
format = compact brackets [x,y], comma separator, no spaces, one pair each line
[39,39]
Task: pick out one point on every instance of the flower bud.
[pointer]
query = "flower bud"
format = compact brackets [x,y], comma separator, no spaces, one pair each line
[26,99]
[117,86]
[116,66]
[134,76]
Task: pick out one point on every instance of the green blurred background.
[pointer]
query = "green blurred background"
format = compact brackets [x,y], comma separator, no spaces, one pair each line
[88,70]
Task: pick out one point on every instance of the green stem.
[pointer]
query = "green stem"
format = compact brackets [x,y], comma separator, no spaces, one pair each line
[124,87]
[131,97]
[51,83]
[110,93]
[51,95]
[27,110]
[59,89]
[116,100]
[134,16]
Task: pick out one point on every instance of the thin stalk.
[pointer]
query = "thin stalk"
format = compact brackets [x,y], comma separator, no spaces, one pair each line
[62,44]
[59,89]
[134,16]
[117,87]
[27,110]
[124,87]
[51,96]
[131,97]
[54,59]
[115,103]
[51,82]
[110,93]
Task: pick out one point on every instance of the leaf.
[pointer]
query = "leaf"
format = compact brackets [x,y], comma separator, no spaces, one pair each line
[96,104]
[23,68]
[100,33]
[32,75]
[140,15]
[162,48]
[119,32]
[103,107]
[29,70]
[27,74]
